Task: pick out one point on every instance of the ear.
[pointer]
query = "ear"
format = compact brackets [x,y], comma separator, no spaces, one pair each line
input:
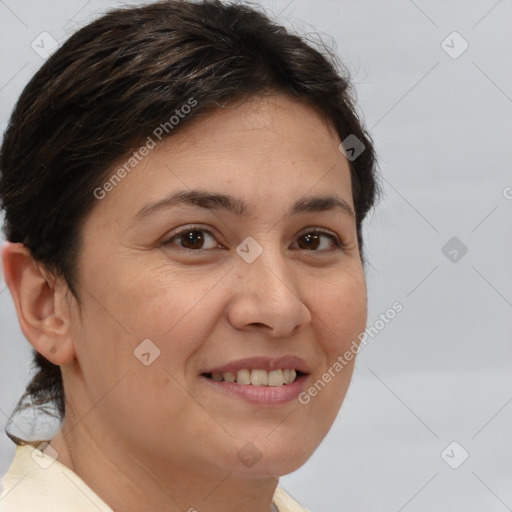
[41,304]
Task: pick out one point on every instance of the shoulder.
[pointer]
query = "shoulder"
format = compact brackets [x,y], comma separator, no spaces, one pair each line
[36,481]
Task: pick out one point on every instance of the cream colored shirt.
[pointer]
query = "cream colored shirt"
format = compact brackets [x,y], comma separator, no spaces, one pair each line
[36,482]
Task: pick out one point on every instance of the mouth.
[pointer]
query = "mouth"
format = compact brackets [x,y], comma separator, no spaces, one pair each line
[260,380]
[257,377]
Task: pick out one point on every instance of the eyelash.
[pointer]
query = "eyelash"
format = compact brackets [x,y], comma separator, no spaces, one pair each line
[339,245]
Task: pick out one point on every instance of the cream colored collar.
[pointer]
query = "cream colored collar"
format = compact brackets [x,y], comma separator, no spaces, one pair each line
[35,481]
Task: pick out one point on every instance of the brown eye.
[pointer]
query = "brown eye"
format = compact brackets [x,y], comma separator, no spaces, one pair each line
[192,239]
[317,241]
[309,241]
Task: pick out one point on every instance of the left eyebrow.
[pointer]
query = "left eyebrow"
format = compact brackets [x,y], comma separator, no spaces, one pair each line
[236,206]
[321,204]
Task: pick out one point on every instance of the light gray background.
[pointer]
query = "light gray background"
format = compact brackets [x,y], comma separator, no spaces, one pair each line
[440,371]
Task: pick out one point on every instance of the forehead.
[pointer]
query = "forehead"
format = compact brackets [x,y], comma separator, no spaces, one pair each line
[275,121]
[267,149]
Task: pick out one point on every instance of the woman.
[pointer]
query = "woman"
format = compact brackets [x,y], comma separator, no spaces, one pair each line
[184,187]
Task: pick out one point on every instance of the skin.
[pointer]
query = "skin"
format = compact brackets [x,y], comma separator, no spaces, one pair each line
[157,437]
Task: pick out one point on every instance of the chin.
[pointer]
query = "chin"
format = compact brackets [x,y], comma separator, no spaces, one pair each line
[280,468]
[277,457]
[273,468]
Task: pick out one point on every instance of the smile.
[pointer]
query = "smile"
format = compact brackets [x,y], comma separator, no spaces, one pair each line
[259,380]
[257,377]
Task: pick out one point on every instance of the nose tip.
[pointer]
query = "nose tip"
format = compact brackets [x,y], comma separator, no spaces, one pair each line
[264,300]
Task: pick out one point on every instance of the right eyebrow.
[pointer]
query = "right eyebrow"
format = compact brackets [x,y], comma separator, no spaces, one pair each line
[208,200]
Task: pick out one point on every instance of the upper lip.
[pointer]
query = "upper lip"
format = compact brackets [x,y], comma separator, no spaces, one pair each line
[263,363]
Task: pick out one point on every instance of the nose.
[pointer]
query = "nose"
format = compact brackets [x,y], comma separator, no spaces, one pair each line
[268,297]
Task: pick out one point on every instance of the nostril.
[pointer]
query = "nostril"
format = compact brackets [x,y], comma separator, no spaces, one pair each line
[258,324]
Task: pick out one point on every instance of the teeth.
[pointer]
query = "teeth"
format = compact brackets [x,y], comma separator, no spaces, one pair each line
[229,376]
[258,377]
[275,378]
[243,377]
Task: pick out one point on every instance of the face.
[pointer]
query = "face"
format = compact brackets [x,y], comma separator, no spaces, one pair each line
[230,247]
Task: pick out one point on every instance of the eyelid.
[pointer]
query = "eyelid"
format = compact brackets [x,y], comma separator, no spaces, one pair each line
[184,229]
[317,229]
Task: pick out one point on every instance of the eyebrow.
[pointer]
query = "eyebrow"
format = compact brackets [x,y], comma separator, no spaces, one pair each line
[238,207]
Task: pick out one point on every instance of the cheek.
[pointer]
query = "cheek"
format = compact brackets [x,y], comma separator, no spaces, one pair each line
[126,323]
[341,313]
[177,315]
[340,306]
[114,368]
[153,304]
[157,305]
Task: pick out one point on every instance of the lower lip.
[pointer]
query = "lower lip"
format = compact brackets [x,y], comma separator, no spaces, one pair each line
[261,395]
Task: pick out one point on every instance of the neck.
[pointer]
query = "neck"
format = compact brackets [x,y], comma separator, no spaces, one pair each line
[129,480]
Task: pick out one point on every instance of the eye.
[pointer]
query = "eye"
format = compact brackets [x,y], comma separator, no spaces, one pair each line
[318,241]
[197,238]
[194,239]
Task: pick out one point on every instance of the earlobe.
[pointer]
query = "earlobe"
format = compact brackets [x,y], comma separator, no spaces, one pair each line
[42,312]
